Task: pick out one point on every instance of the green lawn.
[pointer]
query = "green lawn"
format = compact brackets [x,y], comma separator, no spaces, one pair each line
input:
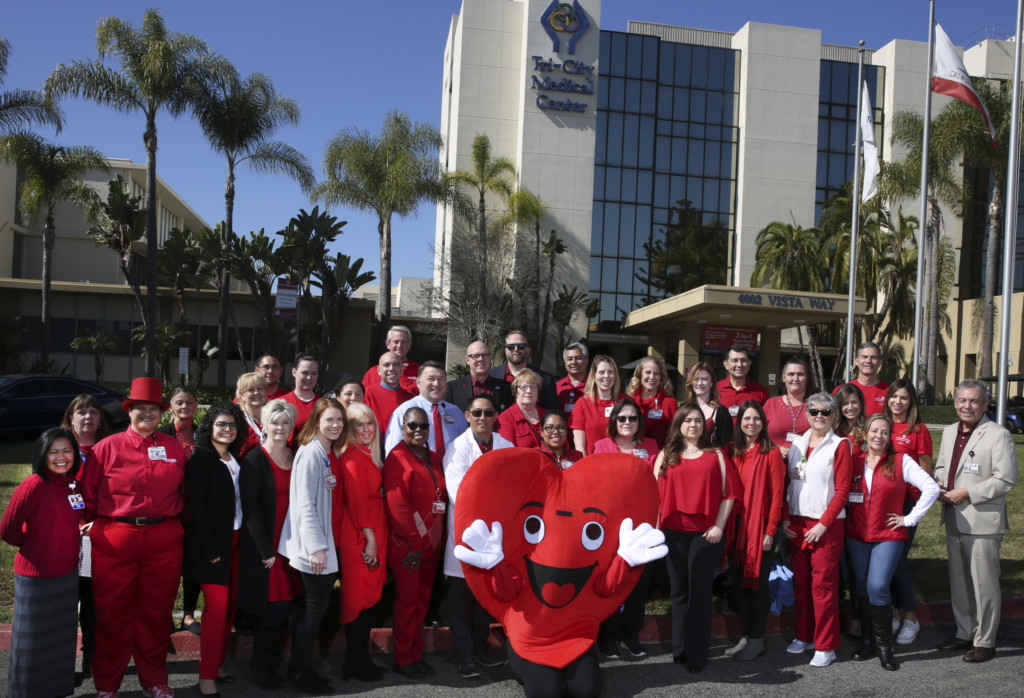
[928,566]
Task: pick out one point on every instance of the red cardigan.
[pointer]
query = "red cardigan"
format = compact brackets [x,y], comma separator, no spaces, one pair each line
[514,426]
[41,523]
[410,492]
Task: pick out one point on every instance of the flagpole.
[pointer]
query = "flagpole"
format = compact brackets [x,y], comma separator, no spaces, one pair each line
[855,223]
[923,219]
[1010,225]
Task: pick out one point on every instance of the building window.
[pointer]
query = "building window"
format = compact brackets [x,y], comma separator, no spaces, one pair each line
[168,221]
[139,191]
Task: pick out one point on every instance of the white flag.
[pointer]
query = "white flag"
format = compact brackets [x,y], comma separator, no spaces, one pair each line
[951,78]
[867,137]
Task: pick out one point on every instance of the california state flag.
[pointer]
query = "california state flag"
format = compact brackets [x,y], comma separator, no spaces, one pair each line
[951,78]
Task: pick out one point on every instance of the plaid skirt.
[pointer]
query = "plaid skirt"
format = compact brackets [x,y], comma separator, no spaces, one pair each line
[43,637]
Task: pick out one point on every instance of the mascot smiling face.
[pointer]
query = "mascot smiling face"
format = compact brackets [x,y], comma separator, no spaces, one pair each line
[560,537]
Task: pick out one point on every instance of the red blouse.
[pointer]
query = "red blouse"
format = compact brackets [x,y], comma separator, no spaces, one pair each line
[658,413]
[783,419]
[41,522]
[514,426]
[692,491]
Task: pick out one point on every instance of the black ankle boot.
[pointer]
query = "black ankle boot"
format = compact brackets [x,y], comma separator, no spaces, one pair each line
[881,622]
[866,649]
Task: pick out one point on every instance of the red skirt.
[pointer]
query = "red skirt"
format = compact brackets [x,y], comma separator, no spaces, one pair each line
[285,583]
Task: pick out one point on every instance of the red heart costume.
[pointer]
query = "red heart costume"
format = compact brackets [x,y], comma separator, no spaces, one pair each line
[551,594]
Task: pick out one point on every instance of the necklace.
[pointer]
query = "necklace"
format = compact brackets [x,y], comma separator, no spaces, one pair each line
[690,451]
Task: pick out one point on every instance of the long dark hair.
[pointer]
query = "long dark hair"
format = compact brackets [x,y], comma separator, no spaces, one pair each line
[674,444]
[912,414]
[856,434]
[43,445]
[204,435]
[739,439]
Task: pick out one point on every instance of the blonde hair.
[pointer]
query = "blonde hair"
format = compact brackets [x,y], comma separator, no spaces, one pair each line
[353,415]
[248,381]
[527,376]
[634,388]
[589,390]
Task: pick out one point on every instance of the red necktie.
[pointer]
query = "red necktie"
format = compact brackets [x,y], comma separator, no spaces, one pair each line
[438,434]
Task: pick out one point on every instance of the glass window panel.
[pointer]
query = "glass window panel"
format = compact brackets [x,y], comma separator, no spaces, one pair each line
[837,170]
[725,197]
[614,155]
[664,102]
[667,59]
[602,92]
[645,148]
[661,187]
[635,56]
[696,130]
[696,162]
[695,192]
[597,221]
[625,280]
[825,81]
[598,182]
[595,272]
[727,160]
[630,137]
[628,185]
[711,194]
[605,51]
[822,134]
[729,108]
[840,82]
[729,70]
[663,154]
[699,67]
[678,154]
[678,190]
[716,68]
[616,93]
[644,186]
[823,110]
[613,183]
[648,97]
[683,65]
[660,217]
[851,95]
[607,307]
[714,108]
[627,221]
[650,69]
[712,158]
[618,62]
[713,133]
[821,176]
[643,229]
[680,129]
[665,127]
[632,96]
[837,136]
[697,98]
[611,226]
[601,134]
[681,111]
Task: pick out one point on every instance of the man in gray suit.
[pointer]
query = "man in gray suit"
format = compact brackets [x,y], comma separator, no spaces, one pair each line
[976,467]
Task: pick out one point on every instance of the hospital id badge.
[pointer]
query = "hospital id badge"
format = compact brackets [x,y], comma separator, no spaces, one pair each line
[438,507]
[566,464]
[856,498]
[569,406]
[654,414]
[157,453]
[791,437]
[608,411]
[76,501]
[972,468]
[332,481]
[448,419]
[734,410]
[640,452]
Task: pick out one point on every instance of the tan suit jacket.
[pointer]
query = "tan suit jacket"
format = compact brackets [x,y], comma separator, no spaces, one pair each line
[991,448]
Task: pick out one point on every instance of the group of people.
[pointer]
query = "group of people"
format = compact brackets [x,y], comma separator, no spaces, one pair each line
[269,501]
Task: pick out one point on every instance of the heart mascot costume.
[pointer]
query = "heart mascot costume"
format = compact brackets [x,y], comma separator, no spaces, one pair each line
[552,553]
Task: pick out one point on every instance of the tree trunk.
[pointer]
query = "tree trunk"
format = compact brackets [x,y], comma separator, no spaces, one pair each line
[933,319]
[879,318]
[152,244]
[547,309]
[539,339]
[840,366]
[225,278]
[812,343]
[992,254]
[97,364]
[482,284]
[48,236]
[238,335]
[800,336]
[125,262]
[384,298]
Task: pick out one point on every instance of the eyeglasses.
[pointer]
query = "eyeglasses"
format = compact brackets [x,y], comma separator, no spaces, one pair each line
[483,413]
[269,367]
[478,357]
[230,426]
[623,418]
[518,346]
[417,426]
[554,429]
[527,388]
[814,412]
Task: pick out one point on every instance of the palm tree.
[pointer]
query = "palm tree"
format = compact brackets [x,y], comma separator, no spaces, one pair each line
[553,249]
[168,338]
[258,264]
[179,264]
[897,277]
[158,72]
[215,257]
[98,341]
[489,175]
[22,107]
[389,174]
[52,175]
[526,208]
[121,224]
[239,117]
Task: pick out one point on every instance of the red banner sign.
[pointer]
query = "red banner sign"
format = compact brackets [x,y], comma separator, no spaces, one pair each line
[718,338]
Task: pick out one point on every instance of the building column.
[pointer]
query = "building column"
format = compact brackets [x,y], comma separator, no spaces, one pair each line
[689,347]
[769,357]
[657,344]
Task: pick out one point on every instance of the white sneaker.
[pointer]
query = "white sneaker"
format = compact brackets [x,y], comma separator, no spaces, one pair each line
[823,658]
[797,647]
[895,625]
[908,633]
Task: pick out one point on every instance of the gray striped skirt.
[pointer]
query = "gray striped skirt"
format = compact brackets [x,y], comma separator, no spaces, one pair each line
[43,637]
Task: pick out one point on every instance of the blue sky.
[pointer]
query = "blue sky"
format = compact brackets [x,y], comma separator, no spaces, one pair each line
[348,64]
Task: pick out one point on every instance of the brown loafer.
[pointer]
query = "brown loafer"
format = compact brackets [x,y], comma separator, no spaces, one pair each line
[977,655]
[954,645]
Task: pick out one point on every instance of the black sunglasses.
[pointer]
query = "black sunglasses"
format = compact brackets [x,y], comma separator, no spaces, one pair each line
[623,418]
[814,412]
[519,346]
[482,413]
[417,426]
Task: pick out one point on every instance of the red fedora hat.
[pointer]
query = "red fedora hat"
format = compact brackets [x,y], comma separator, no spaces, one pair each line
[147,391]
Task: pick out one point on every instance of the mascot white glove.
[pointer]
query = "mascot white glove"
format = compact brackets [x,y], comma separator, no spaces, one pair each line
[640,545]
[484,549]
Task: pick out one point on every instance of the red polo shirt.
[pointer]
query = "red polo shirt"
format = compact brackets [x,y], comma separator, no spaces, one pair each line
[128,476]
[383,400]
[874,396]
[568,393]
[410,369]
[729,396]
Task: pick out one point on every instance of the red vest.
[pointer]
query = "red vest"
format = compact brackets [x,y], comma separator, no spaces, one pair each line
[866,519]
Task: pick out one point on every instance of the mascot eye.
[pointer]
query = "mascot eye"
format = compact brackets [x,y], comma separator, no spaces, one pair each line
[593,535]
[533,529]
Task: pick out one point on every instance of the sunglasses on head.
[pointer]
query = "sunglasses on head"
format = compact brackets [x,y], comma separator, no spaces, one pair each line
[482,413]
[814,412]
[623,418]
[417,426]
[518,346]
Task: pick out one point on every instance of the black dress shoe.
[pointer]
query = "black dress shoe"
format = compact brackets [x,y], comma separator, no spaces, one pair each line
[954,645]
[227,678]
[977,655]
[679,658]
[490,657]
[469,670]
[409,671]
[424,667]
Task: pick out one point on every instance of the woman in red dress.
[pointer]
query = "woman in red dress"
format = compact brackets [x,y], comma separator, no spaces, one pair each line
[589,418]
[360,534]
[267,584]
[651,387]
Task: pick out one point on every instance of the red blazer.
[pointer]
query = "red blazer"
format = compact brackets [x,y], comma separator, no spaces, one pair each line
[513,425]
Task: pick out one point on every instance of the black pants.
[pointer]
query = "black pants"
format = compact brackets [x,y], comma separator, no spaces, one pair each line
[470,623]
[86,615]
[316,597]
[580,679]
[752,605]
[357,636]
[627,620]
[269,631]
[692,562]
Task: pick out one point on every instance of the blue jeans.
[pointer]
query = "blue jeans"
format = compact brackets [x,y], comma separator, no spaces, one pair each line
[873,568]
[902,583]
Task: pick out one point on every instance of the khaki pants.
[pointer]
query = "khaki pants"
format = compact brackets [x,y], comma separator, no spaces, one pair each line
[974,585]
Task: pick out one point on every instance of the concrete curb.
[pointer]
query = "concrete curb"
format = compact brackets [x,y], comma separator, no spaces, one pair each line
[656,629]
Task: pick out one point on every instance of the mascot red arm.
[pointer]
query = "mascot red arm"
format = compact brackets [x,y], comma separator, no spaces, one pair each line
[563,548]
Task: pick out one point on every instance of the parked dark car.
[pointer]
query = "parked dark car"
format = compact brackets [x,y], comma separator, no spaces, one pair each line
[30,404]
[1014,405]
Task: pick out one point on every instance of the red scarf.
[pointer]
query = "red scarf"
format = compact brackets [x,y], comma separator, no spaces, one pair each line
[751,524]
